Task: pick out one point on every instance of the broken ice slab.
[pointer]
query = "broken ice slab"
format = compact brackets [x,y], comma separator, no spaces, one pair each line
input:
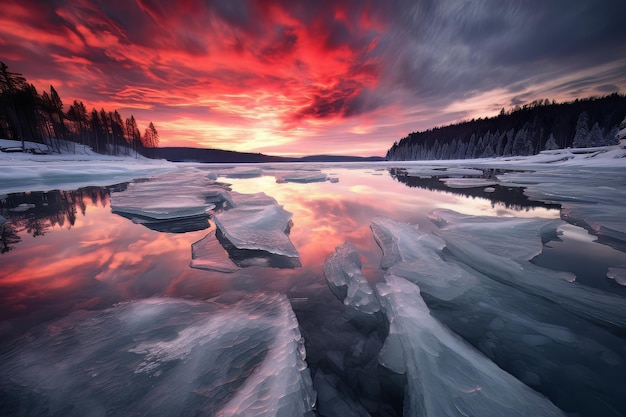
[430,171]
[468,182]
[171,196]
[512,237]
[446,376]
[617,273]
[241,172]
[402,242]
[257,222]
[500,251]
[300,176]
[545,347]
[209,254]
[343,274]
[163,356]
[216,253]
[590,197]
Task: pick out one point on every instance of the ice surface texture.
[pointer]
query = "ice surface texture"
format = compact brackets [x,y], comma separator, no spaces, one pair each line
[343,275]
[164,357]
[500,248]
[257,222]
[177,195]
[592,198]
[545,347]
[446,376]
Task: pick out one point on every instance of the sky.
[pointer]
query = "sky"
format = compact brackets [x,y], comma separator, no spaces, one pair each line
[287,77]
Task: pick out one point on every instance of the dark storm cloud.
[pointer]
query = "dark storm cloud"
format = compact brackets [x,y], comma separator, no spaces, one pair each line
[442,51]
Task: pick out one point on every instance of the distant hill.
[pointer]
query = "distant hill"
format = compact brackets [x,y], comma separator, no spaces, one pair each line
[187,154]
[525,130]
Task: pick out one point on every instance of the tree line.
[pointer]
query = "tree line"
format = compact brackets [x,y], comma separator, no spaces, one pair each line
[26,115]
[524,130]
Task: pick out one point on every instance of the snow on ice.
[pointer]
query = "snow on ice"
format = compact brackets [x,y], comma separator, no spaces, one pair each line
[343,274]
[174,357]
[445,375]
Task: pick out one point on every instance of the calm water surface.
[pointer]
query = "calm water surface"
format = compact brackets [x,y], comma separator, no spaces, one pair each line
[70,252]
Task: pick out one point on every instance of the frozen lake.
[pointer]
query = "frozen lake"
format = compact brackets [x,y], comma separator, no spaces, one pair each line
[469,290]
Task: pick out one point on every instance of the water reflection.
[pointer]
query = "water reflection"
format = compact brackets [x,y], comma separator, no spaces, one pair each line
[80,255]
[511,197]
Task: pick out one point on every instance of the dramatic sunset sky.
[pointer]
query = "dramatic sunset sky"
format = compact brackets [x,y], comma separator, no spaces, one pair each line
[289,77]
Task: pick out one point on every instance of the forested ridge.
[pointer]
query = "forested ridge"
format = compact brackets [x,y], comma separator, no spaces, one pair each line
[525,130]
[27,116]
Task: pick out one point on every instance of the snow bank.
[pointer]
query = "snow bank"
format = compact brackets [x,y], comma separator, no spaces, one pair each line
[175,357]
[27,172]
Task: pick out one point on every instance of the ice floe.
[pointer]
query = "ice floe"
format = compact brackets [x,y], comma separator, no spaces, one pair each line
[301,176]
[343,274]
[468,182]
[445,375]
[257,222]
[174,357]
[524,333]
[618,273]
[500,249]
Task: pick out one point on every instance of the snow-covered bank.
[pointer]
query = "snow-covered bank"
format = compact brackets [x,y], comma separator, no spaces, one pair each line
[30,172]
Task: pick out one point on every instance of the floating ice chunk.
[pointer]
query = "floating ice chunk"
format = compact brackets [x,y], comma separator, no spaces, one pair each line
[301,176]
[257,222]
[242,172]
[445,376]
[2,220]
[427,172]
[171,196]
[343,274]
[468,182]
[489,189]
[492,251]
[164,357]
[618,273]
[216,253]
[402,242]
[591,199]
[600,219]
[512,237]
[209,254]
[22,207]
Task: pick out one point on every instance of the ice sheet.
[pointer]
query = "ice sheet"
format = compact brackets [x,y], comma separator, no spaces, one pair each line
[446,376]
[209,254]
[540,344]
[618,273]
[343,274]
[590,197]
[512,237]
[164,357]
[493,252]
[257,222]
[468,182]
[301,176]
[177,195]
[402,242]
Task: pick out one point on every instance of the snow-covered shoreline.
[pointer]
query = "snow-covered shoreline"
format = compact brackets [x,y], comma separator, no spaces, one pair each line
[23,172]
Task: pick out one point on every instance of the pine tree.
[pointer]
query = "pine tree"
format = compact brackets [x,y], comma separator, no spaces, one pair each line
[595,136]
[581,137]
[551,143]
